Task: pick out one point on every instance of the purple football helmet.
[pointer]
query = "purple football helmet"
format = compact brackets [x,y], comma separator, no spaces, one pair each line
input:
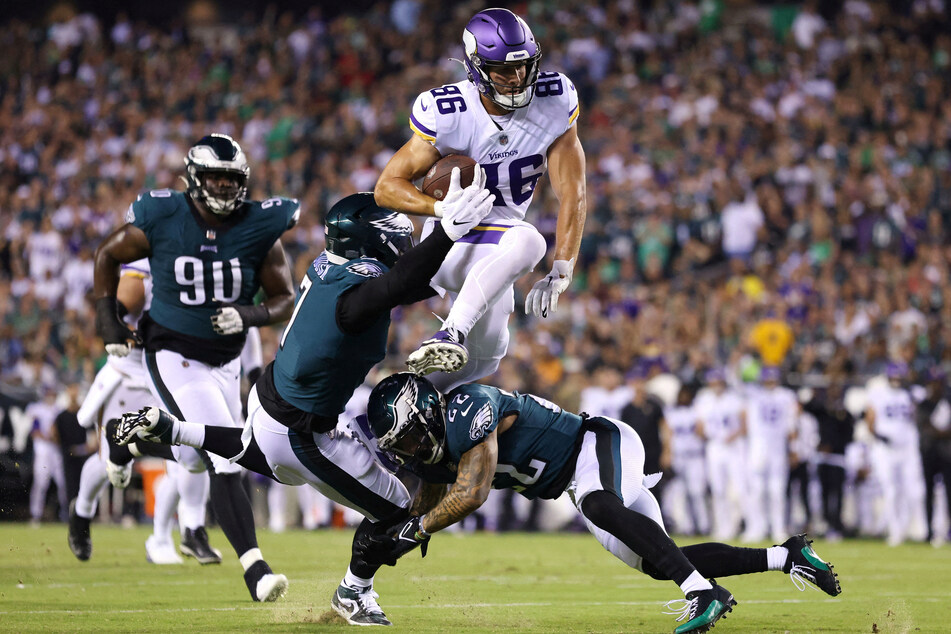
[770,373]
[494,39]
[896,369]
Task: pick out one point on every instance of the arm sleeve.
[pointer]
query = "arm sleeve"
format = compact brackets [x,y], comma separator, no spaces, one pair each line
[422,119]
[405,283]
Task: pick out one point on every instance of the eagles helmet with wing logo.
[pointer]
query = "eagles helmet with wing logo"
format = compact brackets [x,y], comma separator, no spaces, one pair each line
[356,226]
[408,416]
[217,154]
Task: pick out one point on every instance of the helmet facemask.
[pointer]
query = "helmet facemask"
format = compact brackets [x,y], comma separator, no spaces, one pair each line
[497,39]
[415,426]
[216,155]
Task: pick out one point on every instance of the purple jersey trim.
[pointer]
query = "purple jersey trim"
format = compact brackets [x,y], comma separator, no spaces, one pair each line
[421,127]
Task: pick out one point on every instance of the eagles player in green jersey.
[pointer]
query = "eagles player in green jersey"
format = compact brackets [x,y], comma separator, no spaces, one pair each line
[210,250]
[479,437]
[337,333]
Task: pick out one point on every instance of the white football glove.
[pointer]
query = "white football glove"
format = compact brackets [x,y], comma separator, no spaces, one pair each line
[118,349]
[227,321]
[464,208]
[543,298]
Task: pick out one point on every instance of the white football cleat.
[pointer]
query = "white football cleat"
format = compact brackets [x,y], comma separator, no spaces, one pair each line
[161,553]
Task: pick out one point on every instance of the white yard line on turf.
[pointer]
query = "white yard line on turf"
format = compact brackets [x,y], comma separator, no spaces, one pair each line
[428,606]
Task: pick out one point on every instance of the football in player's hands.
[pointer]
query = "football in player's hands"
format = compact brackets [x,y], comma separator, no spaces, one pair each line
[436,181]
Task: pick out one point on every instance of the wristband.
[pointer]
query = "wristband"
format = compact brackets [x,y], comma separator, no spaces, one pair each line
[421,534]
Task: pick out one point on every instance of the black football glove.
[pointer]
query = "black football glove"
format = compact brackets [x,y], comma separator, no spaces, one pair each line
[381,550]
[113,331]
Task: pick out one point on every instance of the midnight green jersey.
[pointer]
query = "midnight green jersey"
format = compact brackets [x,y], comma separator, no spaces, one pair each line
[318,365]
[196,267]
[533,453]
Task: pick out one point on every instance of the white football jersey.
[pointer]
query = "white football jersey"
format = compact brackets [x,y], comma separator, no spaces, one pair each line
[683,427]
[720,413]
[513,149]
[894,415]
[771,414]
[131,364]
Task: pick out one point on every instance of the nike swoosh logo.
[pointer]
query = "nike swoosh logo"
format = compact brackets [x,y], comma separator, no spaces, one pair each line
[424,107]
[465,412]
[456,222]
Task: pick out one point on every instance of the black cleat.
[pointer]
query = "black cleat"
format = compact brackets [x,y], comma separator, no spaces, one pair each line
[80,541]
[805,567]
[195,544]
[702,609]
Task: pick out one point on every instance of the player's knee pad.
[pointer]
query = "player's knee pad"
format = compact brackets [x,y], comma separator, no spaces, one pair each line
[525,247]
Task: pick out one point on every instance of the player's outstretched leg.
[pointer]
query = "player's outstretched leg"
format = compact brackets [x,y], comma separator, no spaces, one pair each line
[354,599]
[794,557]
[614,525]
[444,352]
[149,423]
[804,566]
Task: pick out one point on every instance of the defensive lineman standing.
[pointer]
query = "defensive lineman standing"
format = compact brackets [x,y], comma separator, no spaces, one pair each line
[515,122]
[209,250]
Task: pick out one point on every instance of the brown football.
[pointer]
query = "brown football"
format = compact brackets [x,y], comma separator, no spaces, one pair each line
[436,181]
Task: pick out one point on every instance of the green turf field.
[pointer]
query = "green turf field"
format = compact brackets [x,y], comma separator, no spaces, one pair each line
[482,582]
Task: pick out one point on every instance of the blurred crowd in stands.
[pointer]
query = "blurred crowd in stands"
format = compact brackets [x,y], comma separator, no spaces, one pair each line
[766,185]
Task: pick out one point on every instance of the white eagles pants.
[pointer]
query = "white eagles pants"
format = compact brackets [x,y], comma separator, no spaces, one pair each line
[194,391]
[612,459]
[335,463]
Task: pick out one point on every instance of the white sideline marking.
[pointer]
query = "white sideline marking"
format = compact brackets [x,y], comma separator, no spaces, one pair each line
[428,606]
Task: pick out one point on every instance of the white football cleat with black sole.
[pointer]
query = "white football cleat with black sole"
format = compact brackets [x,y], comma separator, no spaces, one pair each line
[358,606]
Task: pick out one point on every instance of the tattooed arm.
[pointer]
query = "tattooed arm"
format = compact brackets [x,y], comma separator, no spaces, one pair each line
[428,496]
[471,488]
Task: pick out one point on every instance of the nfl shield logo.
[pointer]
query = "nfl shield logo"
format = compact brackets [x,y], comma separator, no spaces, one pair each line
[210,234]
[503,139]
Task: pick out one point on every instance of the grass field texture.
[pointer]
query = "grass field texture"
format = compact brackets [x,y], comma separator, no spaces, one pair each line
[468,583]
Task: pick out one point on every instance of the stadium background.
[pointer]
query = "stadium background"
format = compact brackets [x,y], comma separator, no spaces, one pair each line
[752,168]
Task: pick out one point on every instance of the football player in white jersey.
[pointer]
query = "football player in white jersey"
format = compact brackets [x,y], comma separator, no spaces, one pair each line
[689,483]
[516,122]
[121,384]
[896,459]
[771,414]
[723,424]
